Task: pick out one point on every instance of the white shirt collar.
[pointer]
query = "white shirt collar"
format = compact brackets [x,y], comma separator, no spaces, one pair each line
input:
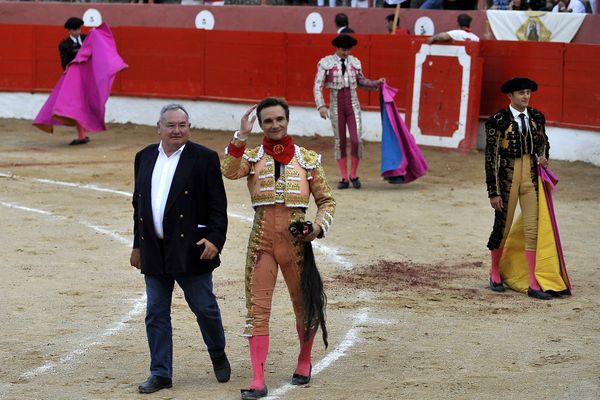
[516,112]
[341,29]
[161,150]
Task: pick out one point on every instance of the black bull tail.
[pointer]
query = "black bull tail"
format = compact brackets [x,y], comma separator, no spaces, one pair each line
[313,296]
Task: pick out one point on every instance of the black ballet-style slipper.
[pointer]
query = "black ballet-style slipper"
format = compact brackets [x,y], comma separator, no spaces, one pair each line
[496,287]
[298,379]
[253,394]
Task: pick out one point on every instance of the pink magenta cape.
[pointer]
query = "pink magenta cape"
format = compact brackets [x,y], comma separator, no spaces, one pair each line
[81,93]
[400,155]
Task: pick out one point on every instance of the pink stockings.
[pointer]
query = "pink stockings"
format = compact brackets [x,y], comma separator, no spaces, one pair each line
[342,166]
[259,348]
[495,269]
[303,367]
[80,132]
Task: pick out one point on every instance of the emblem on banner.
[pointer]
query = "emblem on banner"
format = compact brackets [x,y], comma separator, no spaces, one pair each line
[533,29]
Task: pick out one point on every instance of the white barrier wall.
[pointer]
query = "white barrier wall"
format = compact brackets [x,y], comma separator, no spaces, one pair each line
[566,144]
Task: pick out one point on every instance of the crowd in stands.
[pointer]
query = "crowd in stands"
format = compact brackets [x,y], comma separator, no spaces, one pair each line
[574,6]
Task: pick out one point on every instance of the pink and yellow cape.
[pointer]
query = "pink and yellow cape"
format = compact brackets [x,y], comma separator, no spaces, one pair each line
[550,270]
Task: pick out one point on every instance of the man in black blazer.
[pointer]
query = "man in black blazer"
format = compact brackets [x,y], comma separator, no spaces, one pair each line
[180,224]
[70,45]
[342,23]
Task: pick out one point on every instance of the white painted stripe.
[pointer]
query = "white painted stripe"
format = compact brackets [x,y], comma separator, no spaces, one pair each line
[23,208]
[107,232]
[334,256]
[73,356]
[83,186]
[350,339]
[332,253]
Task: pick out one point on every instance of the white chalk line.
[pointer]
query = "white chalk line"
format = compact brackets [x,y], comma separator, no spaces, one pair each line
[332,253]
[73,356]
[350,339]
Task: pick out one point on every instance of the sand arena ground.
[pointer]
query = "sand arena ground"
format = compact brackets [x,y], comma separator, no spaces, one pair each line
[405,268]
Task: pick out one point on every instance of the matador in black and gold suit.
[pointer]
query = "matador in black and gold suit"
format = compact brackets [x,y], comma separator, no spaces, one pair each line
[516,142]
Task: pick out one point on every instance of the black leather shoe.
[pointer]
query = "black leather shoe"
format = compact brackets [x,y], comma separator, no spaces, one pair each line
[395,180]
[252,394]
[79,141]
[301,379]
[538,294]
[356,183]
[154,384]
[343,184]
[497,287]
[222,368]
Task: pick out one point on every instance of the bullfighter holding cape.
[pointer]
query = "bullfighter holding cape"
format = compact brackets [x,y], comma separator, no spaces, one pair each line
[79,97]
[525,255]
[401,159]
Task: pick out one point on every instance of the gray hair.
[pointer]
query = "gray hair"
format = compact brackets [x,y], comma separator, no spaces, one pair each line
[172,106]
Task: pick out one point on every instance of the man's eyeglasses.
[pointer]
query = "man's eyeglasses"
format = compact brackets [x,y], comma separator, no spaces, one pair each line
[181,126]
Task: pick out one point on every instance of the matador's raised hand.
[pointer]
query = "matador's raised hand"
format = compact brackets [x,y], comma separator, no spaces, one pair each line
[247,123]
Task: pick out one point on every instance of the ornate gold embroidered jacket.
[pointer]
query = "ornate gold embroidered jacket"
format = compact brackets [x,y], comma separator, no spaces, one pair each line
[300,178]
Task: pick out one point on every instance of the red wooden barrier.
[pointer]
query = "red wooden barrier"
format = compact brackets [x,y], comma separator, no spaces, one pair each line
[581,85]
[247,66]
[16,57]
[542,62]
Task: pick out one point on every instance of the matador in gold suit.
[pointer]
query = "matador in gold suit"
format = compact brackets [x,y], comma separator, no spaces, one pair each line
[516,142]
[341,73]
[281,176]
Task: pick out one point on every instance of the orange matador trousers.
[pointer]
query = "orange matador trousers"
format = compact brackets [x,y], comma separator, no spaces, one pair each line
[523,191]
[271,246]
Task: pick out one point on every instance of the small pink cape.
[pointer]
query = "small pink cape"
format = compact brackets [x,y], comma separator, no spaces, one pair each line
[81,93]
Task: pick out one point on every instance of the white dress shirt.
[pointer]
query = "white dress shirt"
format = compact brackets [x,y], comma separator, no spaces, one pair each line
[77,40]
[516,114]
[162,177]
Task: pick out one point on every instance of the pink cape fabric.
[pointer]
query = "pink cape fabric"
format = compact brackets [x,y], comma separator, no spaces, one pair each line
[81,93]
[550,180]
[400,155]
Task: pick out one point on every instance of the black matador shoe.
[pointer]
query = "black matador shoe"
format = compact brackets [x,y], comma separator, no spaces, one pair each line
[301,379]
[252,394]
[496,287]
[538,294]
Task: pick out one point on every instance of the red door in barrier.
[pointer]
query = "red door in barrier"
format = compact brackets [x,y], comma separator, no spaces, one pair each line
[443,94]
[439,108]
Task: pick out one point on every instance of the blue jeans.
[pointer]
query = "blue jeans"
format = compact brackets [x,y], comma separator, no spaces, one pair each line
[198,291]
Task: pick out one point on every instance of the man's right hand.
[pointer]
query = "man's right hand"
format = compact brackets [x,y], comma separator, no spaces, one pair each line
[135,258]
[324,111]
[247,123]
[496,203]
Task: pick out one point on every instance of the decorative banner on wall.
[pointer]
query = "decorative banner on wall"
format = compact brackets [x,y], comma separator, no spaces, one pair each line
[535,26]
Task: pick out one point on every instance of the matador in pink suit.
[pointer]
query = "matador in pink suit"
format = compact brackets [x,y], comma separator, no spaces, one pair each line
[281,178]
[341,73]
